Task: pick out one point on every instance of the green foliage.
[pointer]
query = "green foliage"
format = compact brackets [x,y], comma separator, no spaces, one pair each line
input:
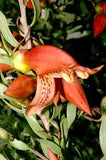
[67,24]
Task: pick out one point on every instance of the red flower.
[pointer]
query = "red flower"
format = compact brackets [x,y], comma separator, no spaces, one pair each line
[99,24]
[57,74]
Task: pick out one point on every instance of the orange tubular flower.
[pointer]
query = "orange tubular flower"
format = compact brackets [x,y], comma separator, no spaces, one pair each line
[21,87]
[52,156]
[57,74]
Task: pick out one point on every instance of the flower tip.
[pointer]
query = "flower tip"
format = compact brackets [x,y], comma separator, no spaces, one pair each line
[89,112]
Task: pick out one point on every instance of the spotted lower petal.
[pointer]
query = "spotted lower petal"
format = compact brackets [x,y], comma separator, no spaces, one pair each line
[75,94]
[44,94]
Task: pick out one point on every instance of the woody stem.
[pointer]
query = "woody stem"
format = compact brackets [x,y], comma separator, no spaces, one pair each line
[23,21]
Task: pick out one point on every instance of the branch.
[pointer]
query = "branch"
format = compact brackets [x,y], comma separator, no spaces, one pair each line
[39,155]
[23,21]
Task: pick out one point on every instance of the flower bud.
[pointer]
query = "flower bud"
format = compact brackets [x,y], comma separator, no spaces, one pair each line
[5,67]
[99,24]
[101,7]
[21,87]
[19,62]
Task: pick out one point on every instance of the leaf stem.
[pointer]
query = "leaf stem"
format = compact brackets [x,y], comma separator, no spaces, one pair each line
[44,121]
[23,21]
[38,154]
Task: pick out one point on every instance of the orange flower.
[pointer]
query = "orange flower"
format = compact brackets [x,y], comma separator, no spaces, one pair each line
[57,77]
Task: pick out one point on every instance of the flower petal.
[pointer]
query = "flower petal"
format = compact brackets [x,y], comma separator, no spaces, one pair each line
[46,58]
[84,72]
[5,67]
[52,156]
[21,87]
[59,92]
[44,94]
[75,94]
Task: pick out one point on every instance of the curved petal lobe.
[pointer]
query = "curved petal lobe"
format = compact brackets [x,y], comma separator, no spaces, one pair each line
[21,87]
[46,58]
[84,72]
[75,94]
[44,94]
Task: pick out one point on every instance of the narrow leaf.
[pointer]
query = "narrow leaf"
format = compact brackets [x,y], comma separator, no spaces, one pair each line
[6,31]
[64,132]
[37,10]
[5,59]
[56,111]
[48,144]
[12,107]
[19,145]
[102,134]
[2,157]
[33,122]
[71,113]
[7,46]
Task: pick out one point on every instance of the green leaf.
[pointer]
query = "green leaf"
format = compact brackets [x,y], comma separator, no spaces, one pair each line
[5,59]
[71,113]
[19,145]
[2,52]
[3,79]
[67,17]
[77,35]
[12,106]
[102,134]
[34,124]
[56,111]
[2,157]
[55,124]
[64,132]
[45,144]
[37,10]
[6,31]
[6,46]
